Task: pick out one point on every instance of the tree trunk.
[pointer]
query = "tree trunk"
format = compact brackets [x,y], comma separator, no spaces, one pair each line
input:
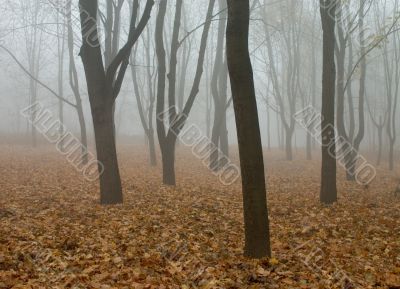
[380,134]
[288,146]
[257,243]
[351,163]
[168,161]
[328,193]
[218,90]
[391,155]
[309,147]
[74,83]
[152,148]
[82,125]
[110,181]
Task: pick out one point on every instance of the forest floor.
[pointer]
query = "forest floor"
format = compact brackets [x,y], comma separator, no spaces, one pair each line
[54,234]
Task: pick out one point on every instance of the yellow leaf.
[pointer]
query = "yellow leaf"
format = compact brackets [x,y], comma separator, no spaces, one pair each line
[274,261]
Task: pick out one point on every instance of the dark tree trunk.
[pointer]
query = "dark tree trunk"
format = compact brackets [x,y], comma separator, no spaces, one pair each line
[161,69]
[101,103]
[168,161]
[110,181]
[257,243]
[350,165]
[328,193]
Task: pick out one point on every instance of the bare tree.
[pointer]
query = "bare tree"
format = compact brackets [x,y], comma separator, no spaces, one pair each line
[287,90]
[145,104]
[168,137]
[219,135]
[104,84]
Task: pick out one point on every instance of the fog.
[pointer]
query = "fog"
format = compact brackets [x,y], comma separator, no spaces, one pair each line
[19,26]
[219,106]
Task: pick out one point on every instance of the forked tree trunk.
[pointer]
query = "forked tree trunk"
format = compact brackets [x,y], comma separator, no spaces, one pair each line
[104,85]
[257,243]
[167,138]
[101,104]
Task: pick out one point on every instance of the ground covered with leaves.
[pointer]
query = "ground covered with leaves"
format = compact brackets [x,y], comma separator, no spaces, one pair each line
[54,234]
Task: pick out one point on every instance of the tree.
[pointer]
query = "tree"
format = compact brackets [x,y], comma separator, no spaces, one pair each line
[74,82]
[379,124]
[145,101]
[391,64]
[219,135]
[286,85]
[104,84]
[73,75]
[328,193]
[61,32]
[167,137]
[257,243]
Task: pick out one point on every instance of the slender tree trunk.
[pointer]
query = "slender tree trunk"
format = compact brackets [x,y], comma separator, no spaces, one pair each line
[257,243]
[218,91]
[309,147]
[152,148]
[380,134]
[288,145]
[268,128]
[74,83]
[391,155]
[361,96]
[82,125]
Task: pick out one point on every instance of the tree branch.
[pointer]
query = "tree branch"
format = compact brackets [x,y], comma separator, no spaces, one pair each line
[35,79]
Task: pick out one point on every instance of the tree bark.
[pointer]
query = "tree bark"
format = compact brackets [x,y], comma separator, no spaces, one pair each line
[257,243]
[328,193]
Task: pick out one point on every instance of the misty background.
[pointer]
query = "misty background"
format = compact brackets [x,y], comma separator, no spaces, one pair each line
[39,25]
